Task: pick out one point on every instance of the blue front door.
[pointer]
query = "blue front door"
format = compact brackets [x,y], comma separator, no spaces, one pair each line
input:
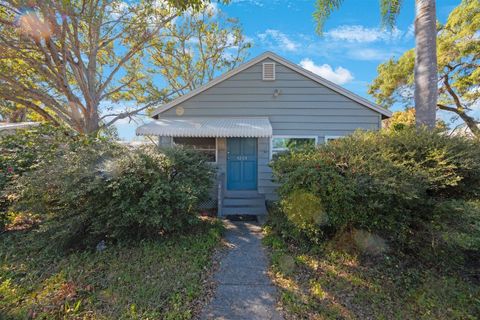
[241,163]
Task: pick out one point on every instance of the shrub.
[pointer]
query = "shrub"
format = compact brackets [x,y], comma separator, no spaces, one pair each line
[102,191]
[383,182]
[28,148]
[24,151]
[278,222]
[453,235]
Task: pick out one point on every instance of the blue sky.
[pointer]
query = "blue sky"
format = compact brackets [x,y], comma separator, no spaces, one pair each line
[348,53]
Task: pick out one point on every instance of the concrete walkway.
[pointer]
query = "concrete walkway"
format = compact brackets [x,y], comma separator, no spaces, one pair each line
[244,290]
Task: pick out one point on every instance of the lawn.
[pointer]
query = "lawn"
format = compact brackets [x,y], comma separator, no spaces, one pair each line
[162,279]
[325,282]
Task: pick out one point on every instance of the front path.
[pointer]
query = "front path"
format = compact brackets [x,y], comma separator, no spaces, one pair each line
[244,290]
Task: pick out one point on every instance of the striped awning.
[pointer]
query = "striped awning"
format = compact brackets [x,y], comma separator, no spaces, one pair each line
[207,127]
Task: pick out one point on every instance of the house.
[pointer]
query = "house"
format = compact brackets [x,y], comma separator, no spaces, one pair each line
[247,115]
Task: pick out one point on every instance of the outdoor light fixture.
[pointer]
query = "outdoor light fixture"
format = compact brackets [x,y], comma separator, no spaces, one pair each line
[276,93]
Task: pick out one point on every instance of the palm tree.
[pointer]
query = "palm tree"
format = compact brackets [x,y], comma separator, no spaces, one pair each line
[426,90]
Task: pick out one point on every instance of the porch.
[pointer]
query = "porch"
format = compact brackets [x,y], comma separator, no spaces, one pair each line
[239,148]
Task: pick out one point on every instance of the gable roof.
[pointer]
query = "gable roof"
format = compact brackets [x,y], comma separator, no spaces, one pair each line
[270,55]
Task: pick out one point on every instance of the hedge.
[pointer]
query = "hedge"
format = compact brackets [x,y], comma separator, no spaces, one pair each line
[382,182]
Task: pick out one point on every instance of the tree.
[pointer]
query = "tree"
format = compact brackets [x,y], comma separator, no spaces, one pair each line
[196,48]
[401,120]
[458,68]
[425,59]
[64,58]
[11,112]
[12,101]
[192,51]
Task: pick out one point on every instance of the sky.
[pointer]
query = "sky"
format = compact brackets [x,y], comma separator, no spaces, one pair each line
[349,51]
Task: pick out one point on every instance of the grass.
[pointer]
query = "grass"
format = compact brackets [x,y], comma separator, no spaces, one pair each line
[147,280]
[325,282]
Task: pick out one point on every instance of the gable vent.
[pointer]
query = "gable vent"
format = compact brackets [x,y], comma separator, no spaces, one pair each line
[269,71]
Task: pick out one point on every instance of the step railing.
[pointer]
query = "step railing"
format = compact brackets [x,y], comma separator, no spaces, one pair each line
[220,192]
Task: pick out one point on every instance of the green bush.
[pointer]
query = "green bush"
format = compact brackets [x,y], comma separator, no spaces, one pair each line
[453,235]
[383,182]
[102,191]
[28,148]
[24,151]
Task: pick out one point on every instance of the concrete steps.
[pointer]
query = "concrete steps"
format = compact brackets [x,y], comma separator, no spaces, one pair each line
[244,202]
[242,194]
[244,210]
[248,202]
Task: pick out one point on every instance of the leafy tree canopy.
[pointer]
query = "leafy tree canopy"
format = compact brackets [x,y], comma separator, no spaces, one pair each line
[198,47]
[67,59]
[401,120]
[458,53]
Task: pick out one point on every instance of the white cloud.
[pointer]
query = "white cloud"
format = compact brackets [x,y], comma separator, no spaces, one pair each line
[119,9]
[212,8]
[410,32]
[358,33]
[340,75]
[249,2]
[370,54]
[230,39]
[336,46]
[278,40]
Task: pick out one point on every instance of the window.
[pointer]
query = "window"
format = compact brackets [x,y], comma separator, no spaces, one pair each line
[329,138]
[285,143]
[207,146]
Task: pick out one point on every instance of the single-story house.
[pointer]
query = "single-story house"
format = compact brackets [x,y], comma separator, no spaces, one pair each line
[247,115]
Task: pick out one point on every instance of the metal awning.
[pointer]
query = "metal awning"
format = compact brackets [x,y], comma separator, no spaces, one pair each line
[17,125]
[208,127]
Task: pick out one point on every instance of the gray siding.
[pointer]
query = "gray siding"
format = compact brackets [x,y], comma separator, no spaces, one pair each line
[265,184]
[303,107]
[222,155]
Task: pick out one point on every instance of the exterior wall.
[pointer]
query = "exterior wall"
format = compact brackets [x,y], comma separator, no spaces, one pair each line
[165,142]
[222,157]
[303,108]
[265,184]
[264,173]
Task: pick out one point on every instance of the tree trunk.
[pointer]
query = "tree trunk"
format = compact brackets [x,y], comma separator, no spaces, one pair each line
[92,124]
[426,78]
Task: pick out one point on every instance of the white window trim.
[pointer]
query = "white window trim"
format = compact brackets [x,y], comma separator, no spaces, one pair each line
[328,138]
[216,150]
[291,137]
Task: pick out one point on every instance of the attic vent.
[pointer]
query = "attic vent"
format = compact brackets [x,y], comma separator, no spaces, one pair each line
[269,71]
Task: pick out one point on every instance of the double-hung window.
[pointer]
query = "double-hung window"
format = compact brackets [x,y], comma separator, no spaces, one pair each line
[281,144]
[206,146]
